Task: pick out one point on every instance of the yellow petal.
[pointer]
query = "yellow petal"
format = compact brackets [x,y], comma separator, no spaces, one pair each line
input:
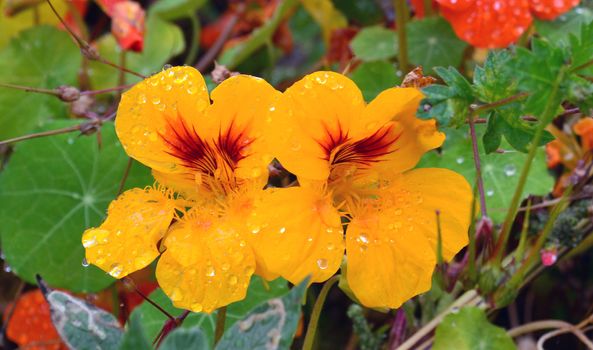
[385,267]
[414,136]
[206,264]
[313,114]
[148,111]
[296,232]
[416,195]
[241,104]
[127,240]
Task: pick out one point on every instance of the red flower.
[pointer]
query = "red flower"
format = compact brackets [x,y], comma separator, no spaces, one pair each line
[498,23]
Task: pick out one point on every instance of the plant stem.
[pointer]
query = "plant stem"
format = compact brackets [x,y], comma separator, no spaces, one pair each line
[31,89]
[316,312]
[472,240]
[580,67]
[42,134]
[505,101]
[546,117]
[477,162]
[194,37]
[104,91]
[122,183]
[401,15]
[428,9]
[220,321]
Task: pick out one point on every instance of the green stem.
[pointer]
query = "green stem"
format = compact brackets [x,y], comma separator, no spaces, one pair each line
[195,39]
[30,89]
[220,321]
[523,239]
[546,118]
[401,15]
[502,102]
[312,327]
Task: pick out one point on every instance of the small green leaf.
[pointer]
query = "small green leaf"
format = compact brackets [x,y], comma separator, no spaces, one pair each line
[135,336]
[469,329]
[53,189]
[581,48]
[432,42]
[562,27]
[375,44]
[271,325]
[163,41]
[183,338]
[176,9]
[448,104]
[500,171]
[42,57]
[82,325]
[374,77]
[153,320]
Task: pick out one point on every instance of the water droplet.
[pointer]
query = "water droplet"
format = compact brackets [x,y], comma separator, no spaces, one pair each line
[233,280]
[255,230]
[330,246]
[192,90]
[282,230]
[156,100]
[322,264]
[225,266]
[510,170]
[210,272]
[7,267]
[70,141]
[89,242]
[363,238]
[490,193]
[167,66]
[85,262]
[460,160]
[180,79]
[116,270]
[197,307]
[272,109]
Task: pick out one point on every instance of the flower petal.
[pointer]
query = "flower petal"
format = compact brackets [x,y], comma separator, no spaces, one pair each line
[550,9]
[237,118]
[415,198]
[385,267]
[414,136]
[296,232]
[312,115]
[127,240]
[206,264]
[149,109]
[490,23]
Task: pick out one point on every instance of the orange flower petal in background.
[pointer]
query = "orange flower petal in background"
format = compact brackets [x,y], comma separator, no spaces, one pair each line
[30,325]
[584,128]
[127,240]
[550,9]
[488,23]
[127,25]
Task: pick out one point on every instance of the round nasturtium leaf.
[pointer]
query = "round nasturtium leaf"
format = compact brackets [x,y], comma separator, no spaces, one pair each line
[51,190]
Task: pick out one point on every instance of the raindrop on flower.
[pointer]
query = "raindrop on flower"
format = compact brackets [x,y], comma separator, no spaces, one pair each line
[210,272]
[233,280]
[282,230]
[116,270]
[322,263]
[85,263]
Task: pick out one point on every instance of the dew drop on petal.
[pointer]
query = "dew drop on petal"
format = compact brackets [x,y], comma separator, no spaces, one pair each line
[210,272]
[197,307]
[225,266]
[322,264]
[233,280]
[282,230]
[116,270]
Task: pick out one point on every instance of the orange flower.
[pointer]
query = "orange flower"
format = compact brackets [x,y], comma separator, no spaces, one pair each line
[353,162]
[210,162]
[498,23]
[584,128]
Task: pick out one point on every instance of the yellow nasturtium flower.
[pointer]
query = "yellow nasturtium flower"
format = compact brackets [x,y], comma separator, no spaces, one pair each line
[211,161]
[355,161]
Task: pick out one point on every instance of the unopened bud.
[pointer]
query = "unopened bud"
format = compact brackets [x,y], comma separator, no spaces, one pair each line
[68,93]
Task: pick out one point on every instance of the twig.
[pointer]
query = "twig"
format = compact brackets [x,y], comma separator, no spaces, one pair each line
[401,15]
[104,91]
[86,49]
[145,297]
[31,89]
[211,54]
[42,134]
[476,153]
[122,183]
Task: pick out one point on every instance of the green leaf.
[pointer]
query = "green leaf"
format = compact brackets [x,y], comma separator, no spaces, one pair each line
[163,41]
[361,12]
[153,320]
[579,92]
[176,9]
[500,171]
[374,77]
[582,48]
[52,189]
[469,329]
[561,28]
[375,44]
[135,336]
[271,325]
[537,71]
[82,325]
[183,338]
[42,57]
[432,42]
[448,104]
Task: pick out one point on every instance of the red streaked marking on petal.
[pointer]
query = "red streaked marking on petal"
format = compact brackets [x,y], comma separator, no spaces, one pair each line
[206,156]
